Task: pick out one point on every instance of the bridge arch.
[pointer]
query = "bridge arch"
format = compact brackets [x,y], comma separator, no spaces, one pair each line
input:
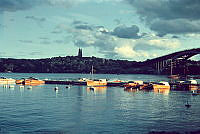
[161,62]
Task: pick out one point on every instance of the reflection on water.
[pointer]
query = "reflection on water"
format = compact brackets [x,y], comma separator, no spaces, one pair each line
[193,87]
[97,89]
[105,110]
[162,91]
[131,89]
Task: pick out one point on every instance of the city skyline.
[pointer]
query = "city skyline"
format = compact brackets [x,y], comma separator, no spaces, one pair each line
[115,29]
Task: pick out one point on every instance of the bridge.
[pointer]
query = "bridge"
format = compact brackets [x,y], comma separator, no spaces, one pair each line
[171,60]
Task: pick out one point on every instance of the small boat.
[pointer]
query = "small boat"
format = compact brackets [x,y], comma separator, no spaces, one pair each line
[67,86]
[4,80]
[174,76]
[30,81]
[99,82]
[133,84]
[195,92]
[161,85]
[96,82]
[190,82]
[20,81]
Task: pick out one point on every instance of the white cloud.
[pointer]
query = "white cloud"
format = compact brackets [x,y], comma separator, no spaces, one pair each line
[165,43]
[127,51]
[120,48]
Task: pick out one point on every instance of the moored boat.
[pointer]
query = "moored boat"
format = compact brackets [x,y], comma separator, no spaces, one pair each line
[174,76]
[99,82]
[30,81]
[161,85]
[4,80]
[133,84]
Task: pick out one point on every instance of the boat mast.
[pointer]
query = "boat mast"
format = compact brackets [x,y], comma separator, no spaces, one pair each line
[92,71]
[171,68]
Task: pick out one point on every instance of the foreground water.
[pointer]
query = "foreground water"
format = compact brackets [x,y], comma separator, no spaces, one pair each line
[106,110]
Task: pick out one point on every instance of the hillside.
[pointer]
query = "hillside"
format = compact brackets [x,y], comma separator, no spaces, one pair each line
[71,64]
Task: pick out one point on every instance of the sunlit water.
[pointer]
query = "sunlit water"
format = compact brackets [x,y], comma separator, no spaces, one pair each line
[106,110]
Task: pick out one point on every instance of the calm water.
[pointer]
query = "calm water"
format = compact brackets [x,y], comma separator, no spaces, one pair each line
[107,110]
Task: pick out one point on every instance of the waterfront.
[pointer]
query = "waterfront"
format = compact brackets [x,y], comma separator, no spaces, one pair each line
[107,110]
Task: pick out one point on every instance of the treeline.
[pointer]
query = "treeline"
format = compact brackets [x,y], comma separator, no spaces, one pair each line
[73,64]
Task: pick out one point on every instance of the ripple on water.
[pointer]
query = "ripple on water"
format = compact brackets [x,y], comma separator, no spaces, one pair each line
[77,110]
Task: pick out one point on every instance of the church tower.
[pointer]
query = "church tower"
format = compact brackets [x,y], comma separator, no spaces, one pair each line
[80,53]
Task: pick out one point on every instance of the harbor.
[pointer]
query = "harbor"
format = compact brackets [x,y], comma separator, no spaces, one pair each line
[73,104]
[99,67]
[184,85]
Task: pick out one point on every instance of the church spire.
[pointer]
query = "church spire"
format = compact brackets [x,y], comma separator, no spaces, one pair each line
[80,52]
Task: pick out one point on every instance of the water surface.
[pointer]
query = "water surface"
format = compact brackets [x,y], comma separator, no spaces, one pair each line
[105,110]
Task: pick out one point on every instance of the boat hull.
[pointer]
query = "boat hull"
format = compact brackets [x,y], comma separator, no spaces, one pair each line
[96,83]
[167,87]
[31,82]
[7,81]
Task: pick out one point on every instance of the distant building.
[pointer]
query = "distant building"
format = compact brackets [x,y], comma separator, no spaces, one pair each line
[80,53]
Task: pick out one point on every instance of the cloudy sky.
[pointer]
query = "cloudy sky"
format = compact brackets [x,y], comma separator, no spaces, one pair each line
[116,29]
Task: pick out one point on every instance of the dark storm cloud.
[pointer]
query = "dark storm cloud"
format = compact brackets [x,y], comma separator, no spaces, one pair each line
[120,31]
[14,5]
[167,9]
[126,32]
[172,16]
[178,26]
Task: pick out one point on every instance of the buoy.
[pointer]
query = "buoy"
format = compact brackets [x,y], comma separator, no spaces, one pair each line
[29,87]
[56,88]
[11,86]
[92,88]
[21,86]
[187,105]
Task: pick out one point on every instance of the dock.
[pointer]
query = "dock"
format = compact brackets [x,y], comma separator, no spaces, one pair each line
[83,83]
[174,86]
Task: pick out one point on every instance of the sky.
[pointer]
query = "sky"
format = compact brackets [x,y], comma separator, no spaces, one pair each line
[134,30]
